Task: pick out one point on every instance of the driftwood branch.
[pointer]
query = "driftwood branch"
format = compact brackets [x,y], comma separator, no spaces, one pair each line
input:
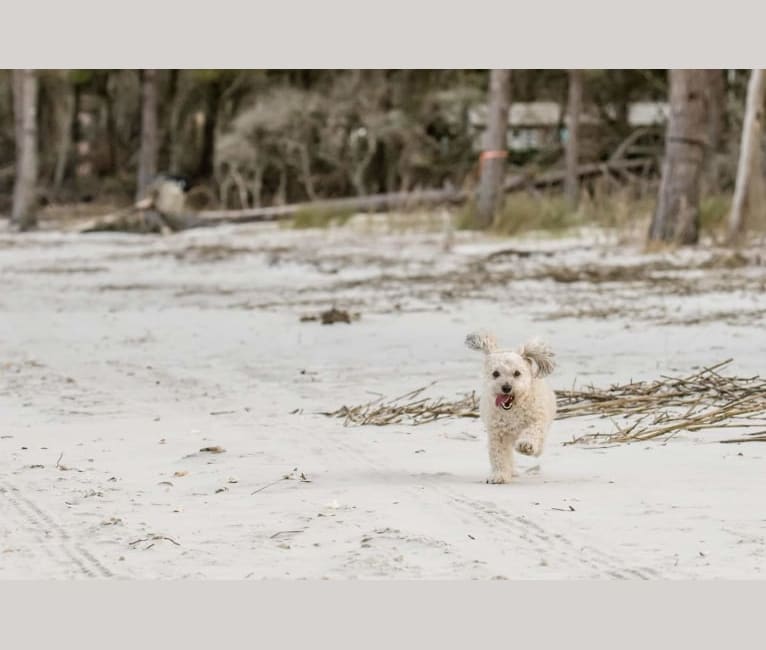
[115,220]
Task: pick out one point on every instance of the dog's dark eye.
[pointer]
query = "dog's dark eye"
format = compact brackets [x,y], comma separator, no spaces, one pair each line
[517,373]
[496,374]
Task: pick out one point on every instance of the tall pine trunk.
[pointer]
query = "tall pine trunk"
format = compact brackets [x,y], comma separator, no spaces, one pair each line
[147,157]
[207,154]
[495,148]
[23,212]
[167,108]
[749,155]
[85,131]
[571,183]
[64,112]
[676,217]
[716,127]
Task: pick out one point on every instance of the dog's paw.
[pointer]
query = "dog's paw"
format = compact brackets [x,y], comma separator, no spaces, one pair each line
[499,477]
[528,447]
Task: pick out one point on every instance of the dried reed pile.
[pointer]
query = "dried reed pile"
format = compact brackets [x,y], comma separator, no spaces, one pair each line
[409,408]
[666,406]
[638,411]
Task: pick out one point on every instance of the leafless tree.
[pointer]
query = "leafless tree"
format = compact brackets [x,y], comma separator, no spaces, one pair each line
[23,212]
[749,155]
[571,184]
[84,134]
[63,110]
[495,149]
[147,157]
[676,217]
[716,126]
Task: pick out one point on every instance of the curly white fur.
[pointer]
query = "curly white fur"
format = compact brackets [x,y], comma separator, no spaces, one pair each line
[514,378]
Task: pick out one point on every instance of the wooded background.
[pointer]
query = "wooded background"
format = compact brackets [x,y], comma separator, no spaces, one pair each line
[248,139]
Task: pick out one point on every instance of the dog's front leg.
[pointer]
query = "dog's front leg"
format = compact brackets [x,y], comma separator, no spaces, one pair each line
[500,458]
[531,441]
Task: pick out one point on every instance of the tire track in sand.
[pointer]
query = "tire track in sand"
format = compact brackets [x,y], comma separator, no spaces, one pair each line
[544,544]
[51,537]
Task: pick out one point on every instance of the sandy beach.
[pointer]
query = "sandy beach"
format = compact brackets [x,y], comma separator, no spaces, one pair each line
[123,356]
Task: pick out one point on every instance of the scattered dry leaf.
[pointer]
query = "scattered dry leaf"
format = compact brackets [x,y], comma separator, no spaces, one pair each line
[213,450]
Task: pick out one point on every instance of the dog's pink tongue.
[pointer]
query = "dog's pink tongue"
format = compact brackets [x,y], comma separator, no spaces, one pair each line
[499,399]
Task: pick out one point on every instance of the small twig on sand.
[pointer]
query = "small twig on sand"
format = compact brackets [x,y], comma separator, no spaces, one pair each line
[285,532]
[61,455]
[263,487]
[758,436]
[152,538]
[286,477]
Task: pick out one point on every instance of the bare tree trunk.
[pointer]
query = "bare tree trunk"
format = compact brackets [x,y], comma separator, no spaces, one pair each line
[175,141]
[495,149]
[749,154]
[305,165]
[64,110]
[107,94]
[213,95]
[360,168]
[18,105]
[676,217]
[280,196]
[84,131]
[571,182]
[147,158]
[240,186]
[166,105]
[257,187]
[23,212]
[716,127]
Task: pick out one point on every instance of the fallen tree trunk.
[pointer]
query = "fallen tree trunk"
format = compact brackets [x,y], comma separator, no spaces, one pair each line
[139,218]
[556,177]
[375,202]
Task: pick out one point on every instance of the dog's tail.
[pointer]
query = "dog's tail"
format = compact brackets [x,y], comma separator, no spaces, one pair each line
[482,341]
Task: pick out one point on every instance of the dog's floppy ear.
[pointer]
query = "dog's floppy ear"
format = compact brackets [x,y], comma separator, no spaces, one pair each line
[539,356]
[483,341]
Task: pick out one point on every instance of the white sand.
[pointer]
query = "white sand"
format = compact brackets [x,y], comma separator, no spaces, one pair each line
[127,355]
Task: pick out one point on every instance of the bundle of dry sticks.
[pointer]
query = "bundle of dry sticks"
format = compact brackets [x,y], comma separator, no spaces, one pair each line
[409,408]
[638,410]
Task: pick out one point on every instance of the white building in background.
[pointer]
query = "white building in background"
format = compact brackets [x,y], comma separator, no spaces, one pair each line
[532,125]
[647,113]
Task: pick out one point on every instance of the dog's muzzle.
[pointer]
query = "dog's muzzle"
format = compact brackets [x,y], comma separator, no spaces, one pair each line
[504,401]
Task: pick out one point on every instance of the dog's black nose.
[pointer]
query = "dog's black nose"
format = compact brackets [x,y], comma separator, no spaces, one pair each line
[506,388]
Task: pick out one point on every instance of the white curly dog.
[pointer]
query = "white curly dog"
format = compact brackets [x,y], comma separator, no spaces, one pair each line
[516,405]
